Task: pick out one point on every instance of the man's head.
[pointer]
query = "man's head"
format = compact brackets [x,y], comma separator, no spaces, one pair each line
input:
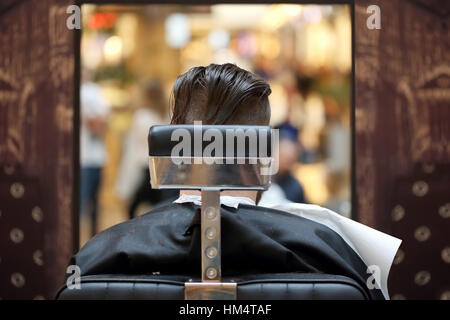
[218,95]
[221,94]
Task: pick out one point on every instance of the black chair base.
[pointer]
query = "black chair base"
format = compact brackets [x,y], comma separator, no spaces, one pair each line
[286,286]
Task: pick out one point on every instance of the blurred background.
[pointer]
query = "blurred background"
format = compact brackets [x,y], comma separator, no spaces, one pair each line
[131,55]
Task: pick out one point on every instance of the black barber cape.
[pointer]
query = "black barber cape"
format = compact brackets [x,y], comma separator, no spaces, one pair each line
[255,240]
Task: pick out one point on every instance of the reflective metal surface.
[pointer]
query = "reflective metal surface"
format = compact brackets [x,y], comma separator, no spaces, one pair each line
[210,228]
[166,174]
[210,291]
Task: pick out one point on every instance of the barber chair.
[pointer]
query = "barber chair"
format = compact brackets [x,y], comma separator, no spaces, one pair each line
[242,166]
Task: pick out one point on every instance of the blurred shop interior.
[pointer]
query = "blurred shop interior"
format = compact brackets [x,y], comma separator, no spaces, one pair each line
[131,55]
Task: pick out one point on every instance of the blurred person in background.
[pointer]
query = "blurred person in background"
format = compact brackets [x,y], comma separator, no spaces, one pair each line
[312,116]
[94,119]
[285,187]
[337,157]
[133,184]
[289,153]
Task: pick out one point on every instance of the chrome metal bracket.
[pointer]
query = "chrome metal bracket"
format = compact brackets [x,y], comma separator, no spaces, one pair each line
[211,287]
[210,229]
[210,291]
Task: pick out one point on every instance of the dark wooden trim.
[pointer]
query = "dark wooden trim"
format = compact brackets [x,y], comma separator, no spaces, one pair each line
[354,193]
[76,143]
[5,8]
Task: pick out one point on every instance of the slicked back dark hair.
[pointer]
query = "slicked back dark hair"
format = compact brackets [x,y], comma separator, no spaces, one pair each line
[220,94]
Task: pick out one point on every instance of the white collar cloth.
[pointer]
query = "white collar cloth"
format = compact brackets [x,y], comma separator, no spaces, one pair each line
[228,201]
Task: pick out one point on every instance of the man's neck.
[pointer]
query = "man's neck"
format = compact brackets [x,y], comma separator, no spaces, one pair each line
[233,193]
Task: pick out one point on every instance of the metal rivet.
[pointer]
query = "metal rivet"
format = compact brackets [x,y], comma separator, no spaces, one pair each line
[445,295]
[38,258]
[445,254]
[210,212]
[398,297]
[398,213]
[39,297]
[210,233]
[444,211]
[17,190]
[422,233]
[211,252]
[16,235]
[422,278]
[211,273]
[17,279]
[420,188]
[37,214]
[399,256]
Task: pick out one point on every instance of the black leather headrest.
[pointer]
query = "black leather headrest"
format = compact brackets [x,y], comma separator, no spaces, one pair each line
[237,140]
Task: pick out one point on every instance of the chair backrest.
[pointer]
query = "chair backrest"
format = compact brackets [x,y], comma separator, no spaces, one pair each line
[210,157]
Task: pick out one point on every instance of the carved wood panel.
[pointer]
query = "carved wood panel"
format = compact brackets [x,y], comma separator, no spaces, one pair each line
[36,108]
[402,133]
